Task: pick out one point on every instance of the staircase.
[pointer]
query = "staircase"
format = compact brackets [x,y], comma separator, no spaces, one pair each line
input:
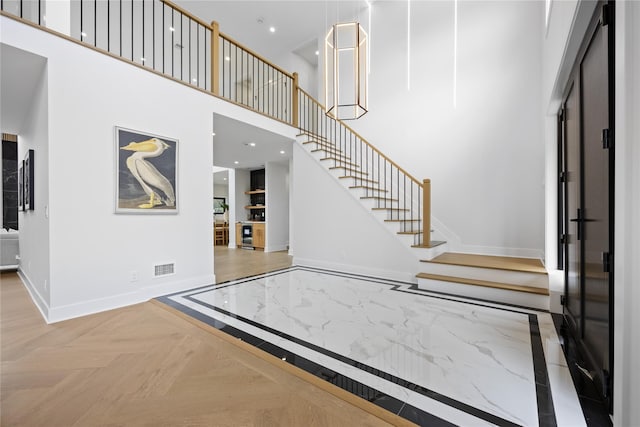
[402,204]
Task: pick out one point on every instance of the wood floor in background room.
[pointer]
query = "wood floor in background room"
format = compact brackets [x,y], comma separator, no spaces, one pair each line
[143,365]
[232,264]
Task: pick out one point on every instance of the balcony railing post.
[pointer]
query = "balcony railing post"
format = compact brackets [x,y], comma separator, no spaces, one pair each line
[426,212]
[294,101]
[215,58]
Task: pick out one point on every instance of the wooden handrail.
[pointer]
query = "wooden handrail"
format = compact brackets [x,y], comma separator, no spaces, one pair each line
[257,55]
[365,141]
[186,13]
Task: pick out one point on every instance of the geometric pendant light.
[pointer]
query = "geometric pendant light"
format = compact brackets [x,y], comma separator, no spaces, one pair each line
[345,71]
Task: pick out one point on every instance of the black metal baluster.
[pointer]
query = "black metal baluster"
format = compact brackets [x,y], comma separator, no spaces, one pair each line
[120,10]
[131,30]
[95,23]
[164,37]
[143,58]
[173,30]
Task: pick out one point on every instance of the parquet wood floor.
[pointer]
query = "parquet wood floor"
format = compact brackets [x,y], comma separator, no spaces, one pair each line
[145,365]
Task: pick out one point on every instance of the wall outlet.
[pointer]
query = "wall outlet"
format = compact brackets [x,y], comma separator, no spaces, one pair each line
[134,276]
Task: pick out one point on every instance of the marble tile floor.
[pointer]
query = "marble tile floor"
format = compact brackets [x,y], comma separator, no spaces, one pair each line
[434,360]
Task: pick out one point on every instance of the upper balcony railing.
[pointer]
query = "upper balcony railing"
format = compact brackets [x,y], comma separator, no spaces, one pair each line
[161,36]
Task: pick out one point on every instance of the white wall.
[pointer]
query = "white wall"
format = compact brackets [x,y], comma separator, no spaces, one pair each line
[307,74]
[277,202]
[334,230]
[484,153]
[626,378]
[94,254]
[34,225]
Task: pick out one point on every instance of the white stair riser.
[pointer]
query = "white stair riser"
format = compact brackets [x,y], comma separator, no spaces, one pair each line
[491,274]
[430,253]
[525,299]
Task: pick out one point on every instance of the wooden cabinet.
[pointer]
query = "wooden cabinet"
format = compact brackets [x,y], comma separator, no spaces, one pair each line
[259,235]
[238,235]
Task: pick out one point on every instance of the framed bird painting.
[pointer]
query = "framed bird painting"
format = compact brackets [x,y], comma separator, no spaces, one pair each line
[146,173]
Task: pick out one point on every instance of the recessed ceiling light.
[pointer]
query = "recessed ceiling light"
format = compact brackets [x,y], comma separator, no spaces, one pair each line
[281,151]
[213,134]
[224,179]
[317,52]
[171,29]
[253,144]
[83,34]
[194,80]
[236,162]
[226,58]
[143,59]
[272,29]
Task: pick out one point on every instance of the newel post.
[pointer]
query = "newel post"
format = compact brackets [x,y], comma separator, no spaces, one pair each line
[295,100]
[426,212]
[215,58]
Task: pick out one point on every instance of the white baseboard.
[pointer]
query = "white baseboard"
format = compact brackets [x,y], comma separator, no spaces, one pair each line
[276,248]
[402,276]
[36,297]
[84,308]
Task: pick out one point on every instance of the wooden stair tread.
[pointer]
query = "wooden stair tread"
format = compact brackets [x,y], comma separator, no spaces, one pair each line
[410,232]
[359,178]
[324,147]
[528,265]
[327,149]
[378,198]
[312,135]
[341,161]
[485,283]
[431,244]
[349,170]
[364,187]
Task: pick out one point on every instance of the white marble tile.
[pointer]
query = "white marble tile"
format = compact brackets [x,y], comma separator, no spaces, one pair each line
[477,355]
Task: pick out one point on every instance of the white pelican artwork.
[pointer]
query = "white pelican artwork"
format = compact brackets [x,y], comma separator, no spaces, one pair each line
[154,184]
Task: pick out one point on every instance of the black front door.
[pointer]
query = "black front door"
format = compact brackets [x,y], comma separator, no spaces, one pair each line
[588,185]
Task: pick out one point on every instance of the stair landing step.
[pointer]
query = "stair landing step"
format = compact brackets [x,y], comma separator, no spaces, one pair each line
[529,265]
[484,283]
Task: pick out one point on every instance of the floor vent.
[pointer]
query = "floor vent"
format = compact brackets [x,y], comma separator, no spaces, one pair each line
[164,269]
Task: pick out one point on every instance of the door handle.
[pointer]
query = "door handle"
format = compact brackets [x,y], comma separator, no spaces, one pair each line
[580,221]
